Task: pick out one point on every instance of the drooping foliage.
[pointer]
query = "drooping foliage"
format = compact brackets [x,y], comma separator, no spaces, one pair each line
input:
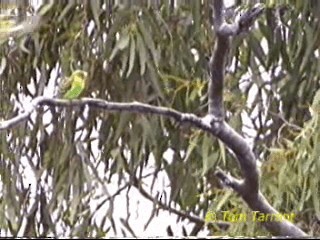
[155,52]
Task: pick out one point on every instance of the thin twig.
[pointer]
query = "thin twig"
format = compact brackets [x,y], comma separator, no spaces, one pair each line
[296,127]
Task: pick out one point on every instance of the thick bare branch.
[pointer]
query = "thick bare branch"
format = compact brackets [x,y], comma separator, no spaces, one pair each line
[231,138]
[216,65]
[248,188]
[223,32]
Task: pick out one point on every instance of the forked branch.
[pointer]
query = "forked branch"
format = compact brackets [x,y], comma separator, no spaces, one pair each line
[248,188]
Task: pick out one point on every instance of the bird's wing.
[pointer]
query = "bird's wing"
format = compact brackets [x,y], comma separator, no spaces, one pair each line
[74,92]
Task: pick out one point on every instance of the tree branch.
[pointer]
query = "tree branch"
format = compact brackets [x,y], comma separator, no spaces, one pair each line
[223,32]
[248,188]
[134,107]
[216,65]
[163,206]
[222,130]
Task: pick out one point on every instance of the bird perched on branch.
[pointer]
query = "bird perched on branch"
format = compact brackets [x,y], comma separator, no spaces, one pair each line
[73,86]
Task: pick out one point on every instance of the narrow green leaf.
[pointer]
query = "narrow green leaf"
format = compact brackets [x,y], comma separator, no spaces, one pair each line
[45,7]
[124,62]
[209,162]
[121,19]
[194,142]
[121,125]
[223,151]
[132,55]
[147,36]
[189,194]
[196,12]
[142,53]
[314,187]
[114,52]
[122,43]
[223,200]
[206,144]
[95,9]
[3,64]
[66,10]
[155,80]
[254,43]
[208,158]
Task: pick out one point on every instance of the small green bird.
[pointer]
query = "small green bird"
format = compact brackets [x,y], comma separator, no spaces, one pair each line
[76,84]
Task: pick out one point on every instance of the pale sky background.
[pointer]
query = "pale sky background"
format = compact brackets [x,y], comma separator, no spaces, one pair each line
[140,208]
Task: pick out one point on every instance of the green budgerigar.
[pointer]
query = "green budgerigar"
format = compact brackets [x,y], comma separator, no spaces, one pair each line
[75,84]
